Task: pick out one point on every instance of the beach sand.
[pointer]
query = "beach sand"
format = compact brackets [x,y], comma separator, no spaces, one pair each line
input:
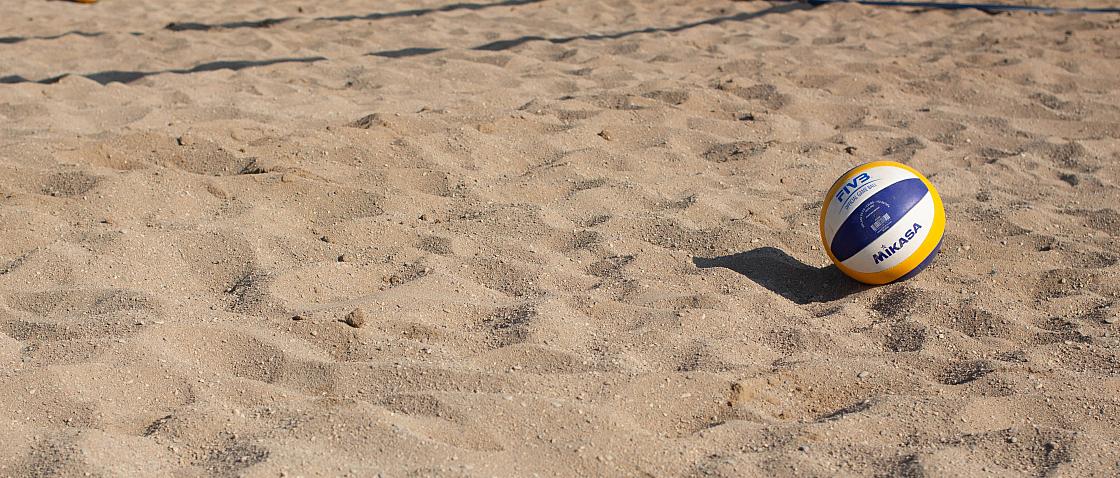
[549,238]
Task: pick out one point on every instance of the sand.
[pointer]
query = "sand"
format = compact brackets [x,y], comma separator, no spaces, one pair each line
[580,238]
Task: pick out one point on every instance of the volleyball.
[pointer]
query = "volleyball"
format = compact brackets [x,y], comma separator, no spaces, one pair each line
[881,222]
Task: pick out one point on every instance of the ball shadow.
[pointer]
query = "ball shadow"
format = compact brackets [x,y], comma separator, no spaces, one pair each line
[773,269]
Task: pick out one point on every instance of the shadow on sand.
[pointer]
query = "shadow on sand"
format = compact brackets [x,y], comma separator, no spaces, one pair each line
[122,76]
[271,22]
[500,45]
[21,39]
[416,12]
[773,269]
[738,17]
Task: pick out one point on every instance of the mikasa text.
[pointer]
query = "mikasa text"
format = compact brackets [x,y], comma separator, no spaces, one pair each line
[890,249]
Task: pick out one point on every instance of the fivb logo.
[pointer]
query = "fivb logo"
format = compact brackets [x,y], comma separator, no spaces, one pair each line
[851,187]
[890,249]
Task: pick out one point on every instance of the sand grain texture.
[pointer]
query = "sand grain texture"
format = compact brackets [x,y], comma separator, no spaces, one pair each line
[582,236]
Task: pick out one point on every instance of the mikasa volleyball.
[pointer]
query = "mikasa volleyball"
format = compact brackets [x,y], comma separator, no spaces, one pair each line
[881,222]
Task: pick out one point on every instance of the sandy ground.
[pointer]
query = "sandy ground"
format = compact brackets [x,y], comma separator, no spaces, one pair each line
[581,237]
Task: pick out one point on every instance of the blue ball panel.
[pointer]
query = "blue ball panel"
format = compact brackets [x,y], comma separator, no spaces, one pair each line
[875,215]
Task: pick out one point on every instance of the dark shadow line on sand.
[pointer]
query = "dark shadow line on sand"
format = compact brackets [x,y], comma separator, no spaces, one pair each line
[786,276]
[268,22]
[738,17]
[514,42]
[106,77]
[13,79]
[205,27]
[21,39]
[122,76]
[405,52]
[425,11]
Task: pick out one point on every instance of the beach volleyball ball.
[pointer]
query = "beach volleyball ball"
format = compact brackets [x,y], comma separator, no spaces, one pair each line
[881,222]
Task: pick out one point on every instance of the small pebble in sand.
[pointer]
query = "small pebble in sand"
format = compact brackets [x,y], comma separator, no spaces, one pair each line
[1111,319]
[298,317]
[605,135]
[345,258]
[863,374]
[326,239]
[355,318]
[1012,439]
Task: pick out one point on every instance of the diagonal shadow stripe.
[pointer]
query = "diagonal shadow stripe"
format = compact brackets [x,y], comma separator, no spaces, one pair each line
[11,40]
[991,8]
[739,17]
[268,22]
[13,79]
[106,77]
[426,11]
[202,27]
[514,42]
[405,52]
[123,76]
